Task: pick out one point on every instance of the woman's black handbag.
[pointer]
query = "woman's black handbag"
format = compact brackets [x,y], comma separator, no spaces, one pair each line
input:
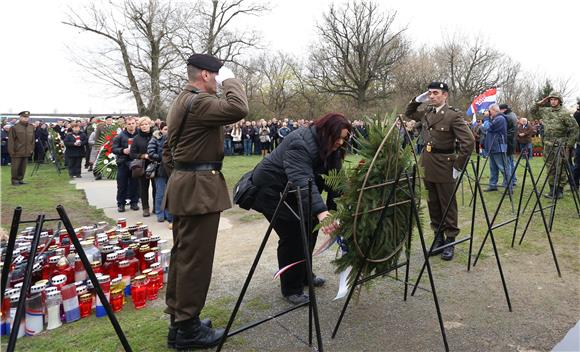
[137,168]
[245,191]
[151,170]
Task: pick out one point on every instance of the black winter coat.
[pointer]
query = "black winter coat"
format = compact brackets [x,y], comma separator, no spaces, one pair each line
[155,151]
[120,142]
[140,143]
[73,150]
[297,160]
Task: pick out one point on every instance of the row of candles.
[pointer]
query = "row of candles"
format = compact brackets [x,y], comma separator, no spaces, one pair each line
[127,261]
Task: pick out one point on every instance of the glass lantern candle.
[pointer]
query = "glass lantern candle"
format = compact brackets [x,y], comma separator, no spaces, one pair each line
[86,304]
[58,281]
[139,291]
[53,302]
[152,286]
[105,283]
[117,300]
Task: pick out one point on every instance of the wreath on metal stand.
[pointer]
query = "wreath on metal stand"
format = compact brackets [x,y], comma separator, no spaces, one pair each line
[366,237]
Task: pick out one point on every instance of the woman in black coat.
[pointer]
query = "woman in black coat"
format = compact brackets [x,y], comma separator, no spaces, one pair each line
[41,142]
[75,142]
[304,154]
[139,151]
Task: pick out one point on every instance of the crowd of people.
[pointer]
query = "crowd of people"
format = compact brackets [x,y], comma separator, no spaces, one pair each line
[181,161]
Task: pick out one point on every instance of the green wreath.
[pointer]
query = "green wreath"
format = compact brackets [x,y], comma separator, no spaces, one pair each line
[365,189]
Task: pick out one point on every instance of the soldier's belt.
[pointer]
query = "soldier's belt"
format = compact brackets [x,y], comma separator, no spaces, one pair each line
[198,166]
[442,151]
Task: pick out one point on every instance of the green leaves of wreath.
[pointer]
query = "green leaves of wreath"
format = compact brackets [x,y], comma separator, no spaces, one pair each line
[374,247]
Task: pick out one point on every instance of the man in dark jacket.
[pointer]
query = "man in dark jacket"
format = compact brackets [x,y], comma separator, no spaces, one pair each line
[495,147]
[20,147]
[4,147]
[512,126]
[197,193]
[248,133]
[126,185]
[75,143]
[577,153]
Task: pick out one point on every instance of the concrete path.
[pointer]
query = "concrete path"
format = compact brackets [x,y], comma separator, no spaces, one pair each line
[102,194]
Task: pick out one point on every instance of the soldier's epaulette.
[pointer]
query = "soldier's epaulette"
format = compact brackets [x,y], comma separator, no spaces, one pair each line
[454,109]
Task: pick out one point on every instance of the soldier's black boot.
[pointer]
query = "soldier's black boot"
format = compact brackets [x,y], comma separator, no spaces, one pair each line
[439,241]
[193,334]
[448,252]
[550,195]
[172,333]
[559,192]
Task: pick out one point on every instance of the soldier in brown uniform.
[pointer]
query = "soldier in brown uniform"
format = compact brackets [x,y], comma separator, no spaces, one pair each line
[197,192]
[20,147]
[443,127]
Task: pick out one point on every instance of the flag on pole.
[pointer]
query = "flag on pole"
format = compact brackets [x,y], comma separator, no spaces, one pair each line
[482,101]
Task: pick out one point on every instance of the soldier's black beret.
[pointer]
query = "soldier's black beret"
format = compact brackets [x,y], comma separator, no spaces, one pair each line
[439,85]
[205,62]
[23,113]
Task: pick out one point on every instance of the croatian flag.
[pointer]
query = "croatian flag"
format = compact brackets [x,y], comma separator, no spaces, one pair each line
[482,102]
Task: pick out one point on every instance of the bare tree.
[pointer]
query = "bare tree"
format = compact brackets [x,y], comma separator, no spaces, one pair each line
[357,50]
[213,28]
[279,83]
[145,44]
[470,66]
[136,48]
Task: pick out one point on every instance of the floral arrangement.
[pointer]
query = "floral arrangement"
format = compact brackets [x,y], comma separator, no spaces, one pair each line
[365,239]
[106,161]
[56,147]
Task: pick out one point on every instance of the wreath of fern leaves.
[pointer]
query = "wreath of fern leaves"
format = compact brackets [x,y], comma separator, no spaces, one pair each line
[374,247]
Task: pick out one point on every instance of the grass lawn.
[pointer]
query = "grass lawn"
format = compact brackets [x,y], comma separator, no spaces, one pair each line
[146,328]
[42,193]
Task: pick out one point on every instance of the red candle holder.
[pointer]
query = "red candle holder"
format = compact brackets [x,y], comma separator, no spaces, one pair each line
[139,291]
[86,304]
[117,300]
[152,286]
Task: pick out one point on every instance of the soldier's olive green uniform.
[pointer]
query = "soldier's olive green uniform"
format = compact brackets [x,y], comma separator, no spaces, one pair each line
[441,130]
[196,198]
[560,128]
[20,148]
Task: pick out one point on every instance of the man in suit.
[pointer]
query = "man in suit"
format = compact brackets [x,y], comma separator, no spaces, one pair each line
[196,192]
[443,128]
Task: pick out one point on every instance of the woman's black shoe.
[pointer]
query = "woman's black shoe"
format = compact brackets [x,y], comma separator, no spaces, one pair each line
[297,299]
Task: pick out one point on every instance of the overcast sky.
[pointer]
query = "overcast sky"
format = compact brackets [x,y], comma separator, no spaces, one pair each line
[37,73]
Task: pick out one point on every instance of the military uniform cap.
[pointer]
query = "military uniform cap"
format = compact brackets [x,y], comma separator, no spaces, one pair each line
[205,62]
[24,113]
[439,85]
[556,95]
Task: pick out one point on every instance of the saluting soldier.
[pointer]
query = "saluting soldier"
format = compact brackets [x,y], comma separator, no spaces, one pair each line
[560,129]
[443,127]
[20,147]
[197,192]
